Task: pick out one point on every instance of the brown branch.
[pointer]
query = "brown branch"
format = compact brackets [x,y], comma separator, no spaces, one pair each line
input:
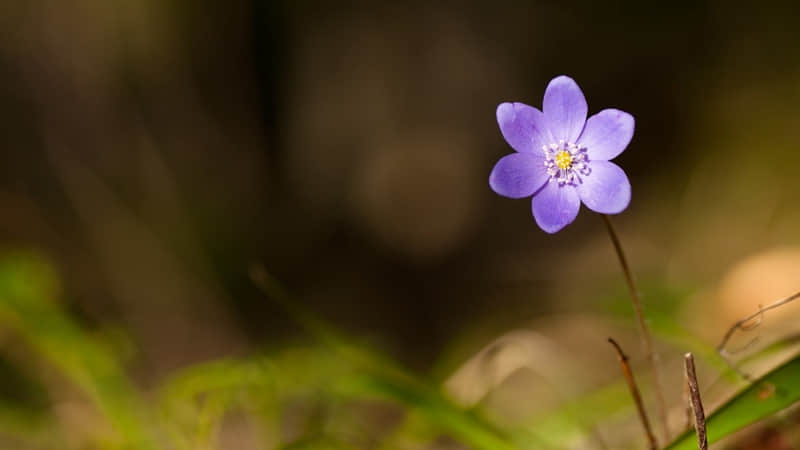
[647,341]
[745,324]
[696,402]
[637,397]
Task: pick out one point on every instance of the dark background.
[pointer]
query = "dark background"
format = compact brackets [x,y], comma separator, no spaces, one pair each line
[155,150]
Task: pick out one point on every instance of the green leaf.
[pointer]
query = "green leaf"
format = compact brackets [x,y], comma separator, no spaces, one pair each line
[771,393]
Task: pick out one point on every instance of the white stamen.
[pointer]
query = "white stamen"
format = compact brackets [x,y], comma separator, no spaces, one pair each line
[565,163]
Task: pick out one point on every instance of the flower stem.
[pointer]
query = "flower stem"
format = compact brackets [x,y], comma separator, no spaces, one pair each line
[647,340]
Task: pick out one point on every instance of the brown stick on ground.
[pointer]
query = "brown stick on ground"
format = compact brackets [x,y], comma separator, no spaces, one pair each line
[697,404]
[637,397]
[647,341]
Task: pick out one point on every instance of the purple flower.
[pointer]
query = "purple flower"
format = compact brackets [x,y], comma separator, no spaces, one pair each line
[562,158]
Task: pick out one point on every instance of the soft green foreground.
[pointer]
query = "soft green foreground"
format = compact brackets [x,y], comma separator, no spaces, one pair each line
[346,387]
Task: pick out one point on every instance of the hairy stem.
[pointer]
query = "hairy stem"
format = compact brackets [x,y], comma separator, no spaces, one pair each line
[647,340]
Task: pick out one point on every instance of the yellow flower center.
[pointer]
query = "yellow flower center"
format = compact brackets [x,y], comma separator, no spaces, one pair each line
[563,160]
[566,163]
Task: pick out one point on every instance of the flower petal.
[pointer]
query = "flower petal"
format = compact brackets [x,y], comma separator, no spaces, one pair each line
[606,134]
[606,189]
[565,108]
[523,127]
[518,175]
[555,207]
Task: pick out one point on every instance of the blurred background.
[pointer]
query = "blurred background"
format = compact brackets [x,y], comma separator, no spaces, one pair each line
[156,153]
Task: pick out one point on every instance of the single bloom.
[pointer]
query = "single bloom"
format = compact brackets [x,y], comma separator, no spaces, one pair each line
[563,159]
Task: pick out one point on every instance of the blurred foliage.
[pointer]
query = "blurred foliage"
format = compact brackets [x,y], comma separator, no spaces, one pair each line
[334,394]
[29,307]
[188,410]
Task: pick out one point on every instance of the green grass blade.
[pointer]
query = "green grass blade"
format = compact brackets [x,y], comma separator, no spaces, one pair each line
[771,393]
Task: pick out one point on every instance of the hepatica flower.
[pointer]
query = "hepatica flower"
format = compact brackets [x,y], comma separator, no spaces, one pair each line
[563,159]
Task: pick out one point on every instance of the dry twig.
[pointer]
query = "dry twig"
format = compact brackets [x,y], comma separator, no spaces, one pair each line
[746,324]
[637,397]
[696,402]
